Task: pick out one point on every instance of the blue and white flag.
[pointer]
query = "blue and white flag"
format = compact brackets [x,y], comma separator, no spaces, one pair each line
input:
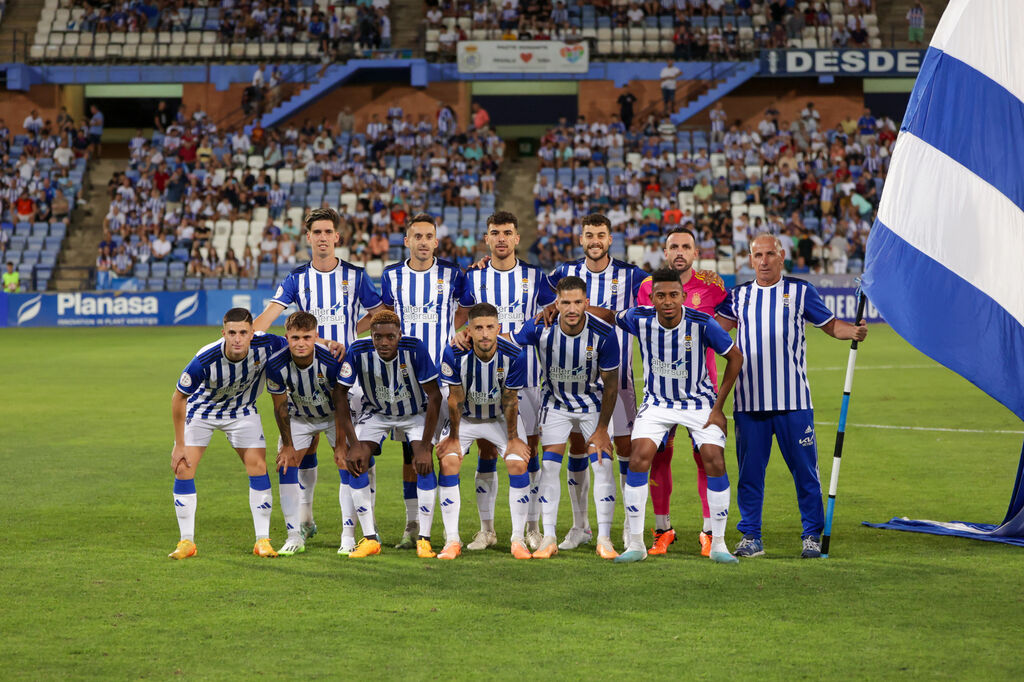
[944,260]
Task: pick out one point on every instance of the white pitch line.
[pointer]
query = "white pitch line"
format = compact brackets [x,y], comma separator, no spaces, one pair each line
[920,428]
[870,367]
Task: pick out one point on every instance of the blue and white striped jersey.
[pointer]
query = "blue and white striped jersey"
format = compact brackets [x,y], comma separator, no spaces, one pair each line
[390,388]
[220,389]
[614,288]
[483,381]
[309,389]
[518,294]
[337,298]
[770,332]
[426,301]
[571,365]
[675,360]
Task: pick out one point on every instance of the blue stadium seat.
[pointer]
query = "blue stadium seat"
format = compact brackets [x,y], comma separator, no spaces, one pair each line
[156,283]
[267,270]
[36,243]
[192,283]
[175,284]
[23,229]
[29,257]
[158,269]
[48,260]
[211,283]
[176,269]
[58,230]
[246,283]
[40,229]
[141,270]
[264,283]
[228,282]
[180,255]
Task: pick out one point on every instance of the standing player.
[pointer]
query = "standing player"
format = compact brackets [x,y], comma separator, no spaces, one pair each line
[301,380]
[613,285]
[401,398]
[335,292]
[481,408]
[703,291]
[579,358]
[773,397]
[431,298]
[678,392]
[518,291]
[217,392]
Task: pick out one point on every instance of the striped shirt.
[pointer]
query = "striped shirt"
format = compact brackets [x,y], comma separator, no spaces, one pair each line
[426,301]
[220,389]
[770,332]
[614,288]
[392,388]
[675,365]
[309,389]
[571,365]
[337,298]
[483,381]
[518,294]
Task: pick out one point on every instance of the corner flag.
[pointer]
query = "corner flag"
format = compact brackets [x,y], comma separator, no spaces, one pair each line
[944,260]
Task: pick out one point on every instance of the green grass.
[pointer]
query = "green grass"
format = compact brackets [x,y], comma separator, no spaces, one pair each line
[88,592]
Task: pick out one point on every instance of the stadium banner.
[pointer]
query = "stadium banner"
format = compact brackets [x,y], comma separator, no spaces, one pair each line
[126,284]
[219,301]
[795,62]
[106,309]
[525,56]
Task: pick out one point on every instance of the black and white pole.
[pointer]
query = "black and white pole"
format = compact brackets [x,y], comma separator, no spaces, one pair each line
[840,433]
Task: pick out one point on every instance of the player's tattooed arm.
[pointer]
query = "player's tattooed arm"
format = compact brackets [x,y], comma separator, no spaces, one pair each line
[510,408]
[451,444]
[600,441]
[287,457]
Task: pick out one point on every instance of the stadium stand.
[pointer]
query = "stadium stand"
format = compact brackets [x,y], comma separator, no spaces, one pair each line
[818,186]
[683,29]
[164,30]
[40,185]
[202,208]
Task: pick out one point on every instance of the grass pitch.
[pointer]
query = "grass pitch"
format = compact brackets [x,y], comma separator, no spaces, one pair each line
[85,438]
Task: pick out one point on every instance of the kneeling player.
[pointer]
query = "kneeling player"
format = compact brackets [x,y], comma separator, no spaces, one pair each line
[481,408]
[678,392]
[579,359]
[301,380]
[400,397]
[217,392]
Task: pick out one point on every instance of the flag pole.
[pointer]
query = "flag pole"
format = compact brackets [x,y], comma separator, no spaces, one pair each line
[841,431]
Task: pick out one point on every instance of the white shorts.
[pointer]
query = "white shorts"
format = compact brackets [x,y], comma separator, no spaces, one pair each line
[556,425]
[625,412]
[376,427]
[530,401]
[304,429]
[242,432]
[494,431]
[355,400]
[654,422]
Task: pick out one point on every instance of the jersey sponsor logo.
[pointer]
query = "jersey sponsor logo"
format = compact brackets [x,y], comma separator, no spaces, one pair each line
[311,400]
[385,395]
[185,380]
[484,397]
[671,370]
[510,313]
[419,314]
[346,370]
[566,373]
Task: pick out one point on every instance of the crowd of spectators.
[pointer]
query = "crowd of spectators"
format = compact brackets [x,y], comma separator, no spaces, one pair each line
[796,178]
[336,29]
[223,203]
[41,171]
[688,29]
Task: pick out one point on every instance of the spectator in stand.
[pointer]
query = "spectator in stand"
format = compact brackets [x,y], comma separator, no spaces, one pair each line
[12,280]
[668,77]
[626,101]
[481,119]
[718,118]
[915,25]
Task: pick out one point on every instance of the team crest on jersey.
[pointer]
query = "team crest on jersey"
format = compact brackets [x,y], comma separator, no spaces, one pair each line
[590,352]
[185,380]
[695,300]
[526,285]
[687,342]
[440,286]
[785,300]
[615,286]
[344,286]
[319,375]
[405,370]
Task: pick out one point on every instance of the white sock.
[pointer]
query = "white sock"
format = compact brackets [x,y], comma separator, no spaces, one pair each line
[363,503]
[662,521]
[623,465]
[261,502]
[288,490]
[307,483]
[519,503]
[185,507]
[578,481]
[486,483]
[426,487]
[348,507]
[451,505]
[718,505]
[707,524]
[533,516]
[550,492]
[604,496]
[634,498]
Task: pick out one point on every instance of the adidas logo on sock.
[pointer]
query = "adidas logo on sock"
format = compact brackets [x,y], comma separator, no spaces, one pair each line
[265,505]
[543,500]
[361,510]
[632,508]
[525,499]
[572,481]
[290,526]
[302,487]
[533,491]
[480,489]
[425,509]
[350,522]
[447,501]
[610,498]
[723,514]
[179,503]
